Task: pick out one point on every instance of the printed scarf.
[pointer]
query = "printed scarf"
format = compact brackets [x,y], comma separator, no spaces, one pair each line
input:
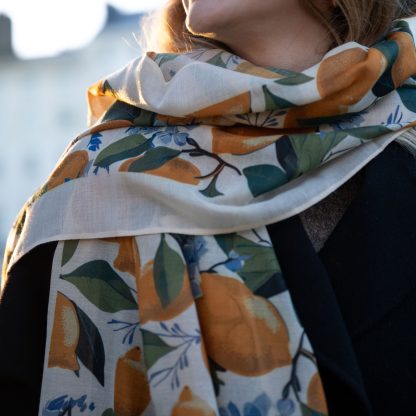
[160,210]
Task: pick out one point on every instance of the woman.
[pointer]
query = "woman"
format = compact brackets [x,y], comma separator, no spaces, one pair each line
[250,194]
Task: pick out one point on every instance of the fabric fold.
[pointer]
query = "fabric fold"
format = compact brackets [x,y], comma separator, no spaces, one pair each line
[206,145]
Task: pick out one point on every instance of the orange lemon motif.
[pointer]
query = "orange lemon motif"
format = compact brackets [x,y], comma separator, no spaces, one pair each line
[316,395]
[71,167]
[189,404]
[151,308]
[405,65]
[340,88]
[239,104]
[242,140]
[249,68]
[243,333]
[131,388]
[177,169]
[128,258]
[174,121]
[99,101]
[65,335]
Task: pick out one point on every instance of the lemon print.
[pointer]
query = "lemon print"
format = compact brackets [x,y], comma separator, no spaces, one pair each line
[99,101]
[239,104]
[243,333]
[241,140]
[329,79]
[249,68]
[128,258]
[151,308]
[405,66]
[340,88]
[71,167]
[65,335]
[107,125]
[174,121]
[189,404]
[131,388]
[177,169]
[316,395]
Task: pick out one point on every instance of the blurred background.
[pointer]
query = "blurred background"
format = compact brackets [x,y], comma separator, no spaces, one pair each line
[51,51]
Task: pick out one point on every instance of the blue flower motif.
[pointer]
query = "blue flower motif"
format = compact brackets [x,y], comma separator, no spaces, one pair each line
[61,404]
[286,407]
[395,118]
[235,262]
[172,133]
[250,409]
[95,142]
[258,407]
[53,407]
[141,130]
[232,408]
[353,121]
[264,403]
[200,245]
[193,249]
[322,134]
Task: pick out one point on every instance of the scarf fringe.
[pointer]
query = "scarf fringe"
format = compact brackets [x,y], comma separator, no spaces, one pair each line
[408,141]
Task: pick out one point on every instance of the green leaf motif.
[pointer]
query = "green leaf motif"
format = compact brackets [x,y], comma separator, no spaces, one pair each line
[217,60]
[70,247]
[108,412]
[307,411]
[408,96]
[90,349]
[144,118]
[168,273]
[120,110]
[273,102]
[286,156]
[261,264]
[264,178]
[369,132]
[108,87]
[385,84]
[124,148]
[211,190]
[292,78]
[153,159]
[312,148]
[102,286]
[154,347]
[316,121]
[162,58]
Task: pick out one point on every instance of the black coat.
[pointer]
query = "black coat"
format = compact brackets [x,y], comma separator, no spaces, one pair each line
[356,299]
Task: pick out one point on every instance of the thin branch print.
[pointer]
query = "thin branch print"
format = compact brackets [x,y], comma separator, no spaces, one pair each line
[198,151]
[131,329]
[175,332]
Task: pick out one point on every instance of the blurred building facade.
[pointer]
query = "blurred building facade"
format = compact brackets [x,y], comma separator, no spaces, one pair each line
[43,106]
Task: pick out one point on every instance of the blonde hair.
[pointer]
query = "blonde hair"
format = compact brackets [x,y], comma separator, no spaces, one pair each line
[363,21]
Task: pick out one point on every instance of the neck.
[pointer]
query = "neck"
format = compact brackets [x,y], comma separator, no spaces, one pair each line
[295,43]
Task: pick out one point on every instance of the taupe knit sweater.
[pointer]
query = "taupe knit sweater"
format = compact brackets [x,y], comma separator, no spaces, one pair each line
[321,219]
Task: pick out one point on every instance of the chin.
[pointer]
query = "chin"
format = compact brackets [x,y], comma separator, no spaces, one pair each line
[200,26]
